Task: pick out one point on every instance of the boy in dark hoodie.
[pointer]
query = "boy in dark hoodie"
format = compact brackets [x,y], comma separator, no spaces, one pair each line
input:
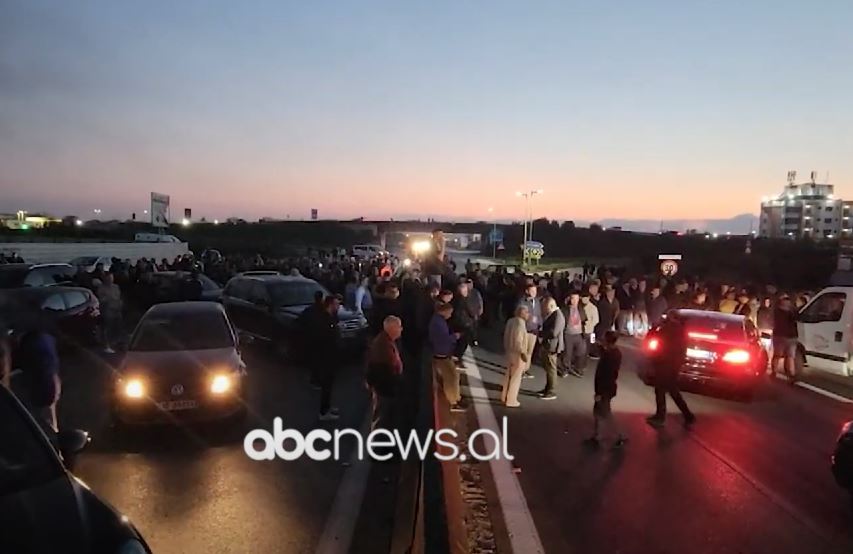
[606,374]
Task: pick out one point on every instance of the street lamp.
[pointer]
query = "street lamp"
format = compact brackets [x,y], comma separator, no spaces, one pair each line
[494,234]
[528,221]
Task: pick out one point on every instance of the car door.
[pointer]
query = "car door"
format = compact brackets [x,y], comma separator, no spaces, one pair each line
[260,310]
[825,331]
[234,300]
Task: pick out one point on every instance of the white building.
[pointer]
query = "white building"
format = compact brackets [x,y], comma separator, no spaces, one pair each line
[806,210]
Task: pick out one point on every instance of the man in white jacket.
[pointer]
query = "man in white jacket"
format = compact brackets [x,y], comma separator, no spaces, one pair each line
[592,320]
[515,349]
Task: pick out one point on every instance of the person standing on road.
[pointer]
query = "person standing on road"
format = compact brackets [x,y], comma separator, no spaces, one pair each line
[515,350]
[475,301]
[384,373]
[785,340]
[38,358]
[462,322]
[443,344]
[574,354]
[606,375]
[109,296]
[641,315]
[667,362]
[608,308]
[656,306]
[434,265]
[591,311]
[534,322]
[324,346]
[553,344]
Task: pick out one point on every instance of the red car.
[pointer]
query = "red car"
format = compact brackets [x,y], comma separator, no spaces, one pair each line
[724,351]
[72,311]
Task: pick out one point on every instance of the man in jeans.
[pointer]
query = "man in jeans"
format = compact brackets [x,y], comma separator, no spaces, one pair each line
[443,344]
[574,356]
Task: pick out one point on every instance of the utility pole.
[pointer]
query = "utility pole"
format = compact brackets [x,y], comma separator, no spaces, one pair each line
[528,222]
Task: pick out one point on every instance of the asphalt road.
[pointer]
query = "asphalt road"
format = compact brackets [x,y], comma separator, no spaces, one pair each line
[191,488]
[749,478]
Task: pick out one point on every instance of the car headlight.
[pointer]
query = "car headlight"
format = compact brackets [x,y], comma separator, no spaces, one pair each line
[132,546]
[220,384]
[134,388]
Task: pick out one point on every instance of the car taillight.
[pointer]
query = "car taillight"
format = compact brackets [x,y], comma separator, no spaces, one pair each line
[736,357]
[701,336]
[653,344]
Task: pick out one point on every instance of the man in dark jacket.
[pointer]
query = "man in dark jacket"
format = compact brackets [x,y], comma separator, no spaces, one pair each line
[462,321]
[656,306]
[552,341]
[669,354]
[323,341]
[384,373]
[37,357]
[606,375]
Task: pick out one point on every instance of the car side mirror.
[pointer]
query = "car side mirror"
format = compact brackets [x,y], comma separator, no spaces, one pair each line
[71,442]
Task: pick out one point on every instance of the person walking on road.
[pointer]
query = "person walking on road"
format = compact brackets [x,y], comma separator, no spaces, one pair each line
[606,375]
[553,344]
[656,306]
[515,350]
[443,344]
[109,296]
[672,349]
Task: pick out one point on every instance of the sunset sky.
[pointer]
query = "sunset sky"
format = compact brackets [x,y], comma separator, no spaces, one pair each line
[398,109]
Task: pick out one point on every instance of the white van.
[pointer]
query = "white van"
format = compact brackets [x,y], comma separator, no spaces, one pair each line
[824,328]
[367,251]
[155,237]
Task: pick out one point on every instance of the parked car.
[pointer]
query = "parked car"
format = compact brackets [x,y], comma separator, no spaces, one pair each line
[169,286]
[267,307]
[89,263]
[15,276]
[842,458]
[824,329]
[183,362]
[724,351]
[43,507]
[72,311]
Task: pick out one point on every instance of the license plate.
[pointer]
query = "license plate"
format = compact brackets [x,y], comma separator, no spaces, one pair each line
[174,405]
[699,354]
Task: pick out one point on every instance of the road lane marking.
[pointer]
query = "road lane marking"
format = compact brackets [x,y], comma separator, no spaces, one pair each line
[342,518]
[523,536]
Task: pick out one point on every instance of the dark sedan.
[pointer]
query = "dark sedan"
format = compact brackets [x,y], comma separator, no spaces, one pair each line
[43,507]
[842,458]
[724,351]
[183,363]
[73,312]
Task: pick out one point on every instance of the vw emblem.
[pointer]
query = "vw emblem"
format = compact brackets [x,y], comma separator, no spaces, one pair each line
[177,390]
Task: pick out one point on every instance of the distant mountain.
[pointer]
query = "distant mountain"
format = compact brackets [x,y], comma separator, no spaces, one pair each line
[737,225]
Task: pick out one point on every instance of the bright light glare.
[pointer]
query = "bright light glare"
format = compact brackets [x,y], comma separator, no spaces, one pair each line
[79,223]
[421,246]
[652,345]
[185,222]
[736,357]
[216,222]
[220,384]
[407,262]
[701,336]
[134,389]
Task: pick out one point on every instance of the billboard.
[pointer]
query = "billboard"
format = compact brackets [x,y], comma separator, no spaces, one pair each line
[159,210]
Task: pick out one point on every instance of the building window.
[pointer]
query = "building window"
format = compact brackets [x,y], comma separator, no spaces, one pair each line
[828,220]
[828,208]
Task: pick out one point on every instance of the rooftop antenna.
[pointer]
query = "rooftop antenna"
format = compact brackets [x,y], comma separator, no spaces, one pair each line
[814,176]
[792,176]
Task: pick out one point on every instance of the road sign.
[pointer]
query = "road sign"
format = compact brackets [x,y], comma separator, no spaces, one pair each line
[669,267]
[188,213]
[669,256]
[314,214]
[159,210]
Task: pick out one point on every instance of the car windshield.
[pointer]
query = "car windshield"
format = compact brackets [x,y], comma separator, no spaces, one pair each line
[187,331]
[294,293]
[12,277]
[25,459]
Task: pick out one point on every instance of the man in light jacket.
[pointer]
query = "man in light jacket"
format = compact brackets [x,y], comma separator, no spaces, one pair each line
[591,311]
[515,350]
[553,344]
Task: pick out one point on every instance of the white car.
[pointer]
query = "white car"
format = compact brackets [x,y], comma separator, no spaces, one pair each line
[824,329]
[88,263]
[368,251]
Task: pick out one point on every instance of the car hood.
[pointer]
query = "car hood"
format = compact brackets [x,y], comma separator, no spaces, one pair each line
[61,516]
[180,360]
[344,314]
